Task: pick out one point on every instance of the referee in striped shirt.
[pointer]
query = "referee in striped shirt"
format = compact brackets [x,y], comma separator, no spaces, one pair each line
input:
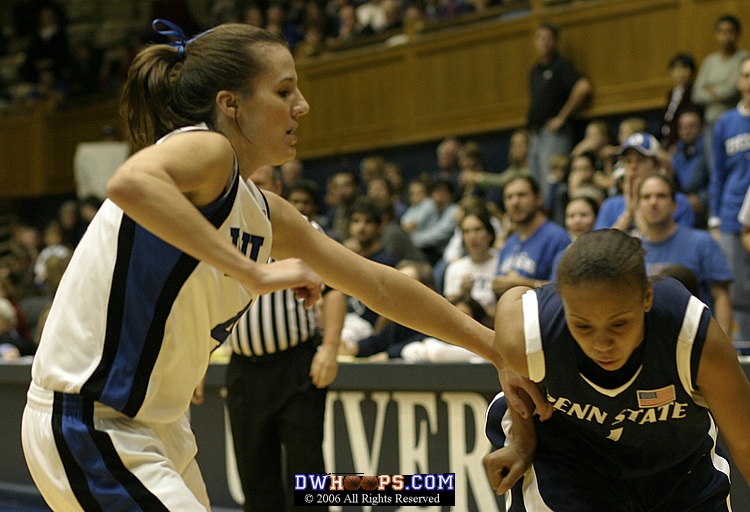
[277,377]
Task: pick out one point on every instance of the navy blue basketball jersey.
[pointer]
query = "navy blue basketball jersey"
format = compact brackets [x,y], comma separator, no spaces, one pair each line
[656,418]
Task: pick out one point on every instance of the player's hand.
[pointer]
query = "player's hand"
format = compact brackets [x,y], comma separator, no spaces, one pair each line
[505,466]
[324,367]
[290,273]
[514,385]
[310,295]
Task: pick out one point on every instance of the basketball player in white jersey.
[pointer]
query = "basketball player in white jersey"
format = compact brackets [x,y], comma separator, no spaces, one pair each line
[172,260]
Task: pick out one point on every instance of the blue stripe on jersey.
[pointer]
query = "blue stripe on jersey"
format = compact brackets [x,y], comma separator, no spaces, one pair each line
[152,263]
[140,341]
[93,387]
[95,471]
[149,274]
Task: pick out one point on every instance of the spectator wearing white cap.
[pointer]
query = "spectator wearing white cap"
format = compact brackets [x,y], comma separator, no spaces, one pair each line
[640,153]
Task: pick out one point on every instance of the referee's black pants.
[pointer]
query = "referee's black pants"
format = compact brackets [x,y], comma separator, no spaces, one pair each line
[272,402]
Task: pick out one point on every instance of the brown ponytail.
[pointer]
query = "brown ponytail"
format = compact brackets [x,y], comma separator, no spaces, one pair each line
[165,91]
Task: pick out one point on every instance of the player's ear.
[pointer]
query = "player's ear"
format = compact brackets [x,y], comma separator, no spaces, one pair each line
[648,298]
[227,102]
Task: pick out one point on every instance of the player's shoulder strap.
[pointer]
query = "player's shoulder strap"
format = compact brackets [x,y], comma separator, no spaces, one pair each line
[533,336]
[184,129]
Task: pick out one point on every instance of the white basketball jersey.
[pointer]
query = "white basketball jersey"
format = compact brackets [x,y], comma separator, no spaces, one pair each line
[134,320]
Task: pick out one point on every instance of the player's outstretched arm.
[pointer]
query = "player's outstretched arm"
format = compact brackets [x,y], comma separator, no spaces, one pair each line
[384,289]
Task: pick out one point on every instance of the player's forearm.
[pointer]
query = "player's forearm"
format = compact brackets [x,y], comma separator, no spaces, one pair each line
[444,322]
[522,433]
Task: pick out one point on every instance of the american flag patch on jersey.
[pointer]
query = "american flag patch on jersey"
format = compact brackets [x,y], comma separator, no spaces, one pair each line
[656,397]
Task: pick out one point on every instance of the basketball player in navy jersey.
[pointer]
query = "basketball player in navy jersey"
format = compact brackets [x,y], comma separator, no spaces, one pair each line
[640,376]
[169,264]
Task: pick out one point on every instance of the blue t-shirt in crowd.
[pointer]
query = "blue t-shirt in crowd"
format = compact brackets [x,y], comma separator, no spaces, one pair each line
[695,249]
[730,168]
[535,256]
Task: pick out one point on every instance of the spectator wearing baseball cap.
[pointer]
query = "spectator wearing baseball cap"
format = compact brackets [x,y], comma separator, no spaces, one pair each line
[640,153]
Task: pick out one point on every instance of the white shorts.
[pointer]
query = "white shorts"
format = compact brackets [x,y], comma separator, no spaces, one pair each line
[91,457]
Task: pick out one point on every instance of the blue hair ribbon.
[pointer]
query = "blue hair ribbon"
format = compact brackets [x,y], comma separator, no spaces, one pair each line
[176,32]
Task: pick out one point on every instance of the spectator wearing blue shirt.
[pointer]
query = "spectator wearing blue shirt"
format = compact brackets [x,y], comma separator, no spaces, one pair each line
[528,256]
[730,179]
[668,243]
[640,153]
[690,164]
[433,239]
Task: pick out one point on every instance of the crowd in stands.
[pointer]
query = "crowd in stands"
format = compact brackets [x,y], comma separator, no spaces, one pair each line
[31,272]
[42,65]
[472,233]
[488,230]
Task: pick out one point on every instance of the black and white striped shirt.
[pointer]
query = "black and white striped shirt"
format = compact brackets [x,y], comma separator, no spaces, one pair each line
[275,322]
